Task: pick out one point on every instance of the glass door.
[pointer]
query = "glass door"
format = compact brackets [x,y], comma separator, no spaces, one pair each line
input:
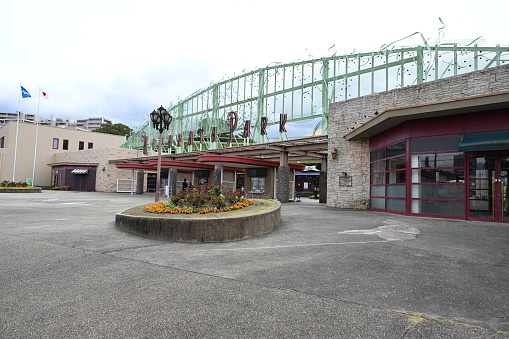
[488,193]
[503,187]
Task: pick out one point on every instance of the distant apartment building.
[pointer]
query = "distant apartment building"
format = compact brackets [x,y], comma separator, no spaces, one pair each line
[37,119]
[91,124]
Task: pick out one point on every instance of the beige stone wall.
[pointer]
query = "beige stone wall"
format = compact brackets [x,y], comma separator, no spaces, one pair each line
[36,142]
[107,174]
[353,156]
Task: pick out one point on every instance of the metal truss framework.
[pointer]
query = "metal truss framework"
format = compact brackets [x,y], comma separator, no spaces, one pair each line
[302,91]
[301,149]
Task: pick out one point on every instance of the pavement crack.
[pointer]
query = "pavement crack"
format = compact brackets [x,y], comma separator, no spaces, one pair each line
[112,252]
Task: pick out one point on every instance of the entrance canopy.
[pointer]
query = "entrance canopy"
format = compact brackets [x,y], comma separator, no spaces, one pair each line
[302,149]
[189,165]
[243,162]
[395,116]
[485,141]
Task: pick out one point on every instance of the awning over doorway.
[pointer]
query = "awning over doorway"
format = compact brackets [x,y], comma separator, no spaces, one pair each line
[485,141]
[79,171]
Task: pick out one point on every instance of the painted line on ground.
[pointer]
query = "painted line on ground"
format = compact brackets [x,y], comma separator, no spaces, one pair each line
[290,246]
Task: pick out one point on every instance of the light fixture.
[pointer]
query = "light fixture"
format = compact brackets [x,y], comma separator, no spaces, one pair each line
[161,121]
[334,153]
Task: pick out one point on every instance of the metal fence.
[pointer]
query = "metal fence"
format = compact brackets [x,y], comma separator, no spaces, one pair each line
[303,90]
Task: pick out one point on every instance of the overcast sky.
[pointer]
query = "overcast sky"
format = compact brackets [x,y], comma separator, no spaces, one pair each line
[120,59]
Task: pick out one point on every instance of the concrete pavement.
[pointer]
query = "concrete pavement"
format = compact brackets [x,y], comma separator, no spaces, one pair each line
[67,272]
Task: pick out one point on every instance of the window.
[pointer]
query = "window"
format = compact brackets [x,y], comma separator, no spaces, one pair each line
[388,178]
[2,142]
[65,144]
[90,145]
[81,145]
[55,143]
[437,177]
[435,144]
[258,184]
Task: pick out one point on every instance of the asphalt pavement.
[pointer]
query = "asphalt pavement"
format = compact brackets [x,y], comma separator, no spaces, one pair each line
[67,272]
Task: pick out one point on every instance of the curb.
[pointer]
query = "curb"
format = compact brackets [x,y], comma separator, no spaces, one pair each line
[201,230]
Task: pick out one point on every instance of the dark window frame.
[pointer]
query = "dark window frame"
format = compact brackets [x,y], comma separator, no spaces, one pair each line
[385,154]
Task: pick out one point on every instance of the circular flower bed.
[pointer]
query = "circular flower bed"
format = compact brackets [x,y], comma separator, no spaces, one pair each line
[202,200]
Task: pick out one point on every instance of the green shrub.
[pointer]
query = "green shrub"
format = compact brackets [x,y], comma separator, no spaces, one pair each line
[7,183]
[233,197]
[216,191]
[218,202]
[198,197]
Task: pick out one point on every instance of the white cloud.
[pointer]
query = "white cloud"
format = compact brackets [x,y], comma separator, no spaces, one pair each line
[122,58]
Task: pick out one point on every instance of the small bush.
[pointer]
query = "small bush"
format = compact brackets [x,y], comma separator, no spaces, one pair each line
[7,183]
[218,202]
[216,191]
[233,197]
[196,196]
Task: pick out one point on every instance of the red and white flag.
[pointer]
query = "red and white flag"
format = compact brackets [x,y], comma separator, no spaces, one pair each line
[44,94]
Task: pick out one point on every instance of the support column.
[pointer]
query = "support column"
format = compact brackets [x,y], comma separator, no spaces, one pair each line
[173,182]
[140,182]
[283,176]
[217,176]
[322,181]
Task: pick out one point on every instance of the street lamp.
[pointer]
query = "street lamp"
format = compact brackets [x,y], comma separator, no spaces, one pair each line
[161,121]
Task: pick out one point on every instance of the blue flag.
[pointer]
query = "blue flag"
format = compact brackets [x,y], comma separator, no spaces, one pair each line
[24,93]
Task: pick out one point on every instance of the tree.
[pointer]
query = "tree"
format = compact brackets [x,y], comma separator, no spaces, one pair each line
[117,129]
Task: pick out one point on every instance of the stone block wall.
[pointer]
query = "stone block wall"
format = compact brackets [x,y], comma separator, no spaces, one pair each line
[283,189]
[353,156]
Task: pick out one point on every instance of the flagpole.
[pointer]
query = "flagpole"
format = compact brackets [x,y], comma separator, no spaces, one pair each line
[16,143]
[36,134]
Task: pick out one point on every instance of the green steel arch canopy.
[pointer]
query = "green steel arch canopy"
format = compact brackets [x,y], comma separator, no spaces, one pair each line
[239,110]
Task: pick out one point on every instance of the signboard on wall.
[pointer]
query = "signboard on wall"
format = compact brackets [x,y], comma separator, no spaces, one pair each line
[345,180]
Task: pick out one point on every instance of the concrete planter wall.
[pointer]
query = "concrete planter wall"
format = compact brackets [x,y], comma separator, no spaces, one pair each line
[21,190]
[201,230]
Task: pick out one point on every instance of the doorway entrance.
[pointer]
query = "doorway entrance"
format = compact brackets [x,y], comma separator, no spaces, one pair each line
[488,191]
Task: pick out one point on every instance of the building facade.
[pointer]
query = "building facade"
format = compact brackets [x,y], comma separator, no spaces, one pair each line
[90,170]
[438,149]
[26,149]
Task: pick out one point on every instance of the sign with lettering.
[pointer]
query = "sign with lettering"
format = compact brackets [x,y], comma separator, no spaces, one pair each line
[247,129]
[265,122]
[283,117]
[232,120]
